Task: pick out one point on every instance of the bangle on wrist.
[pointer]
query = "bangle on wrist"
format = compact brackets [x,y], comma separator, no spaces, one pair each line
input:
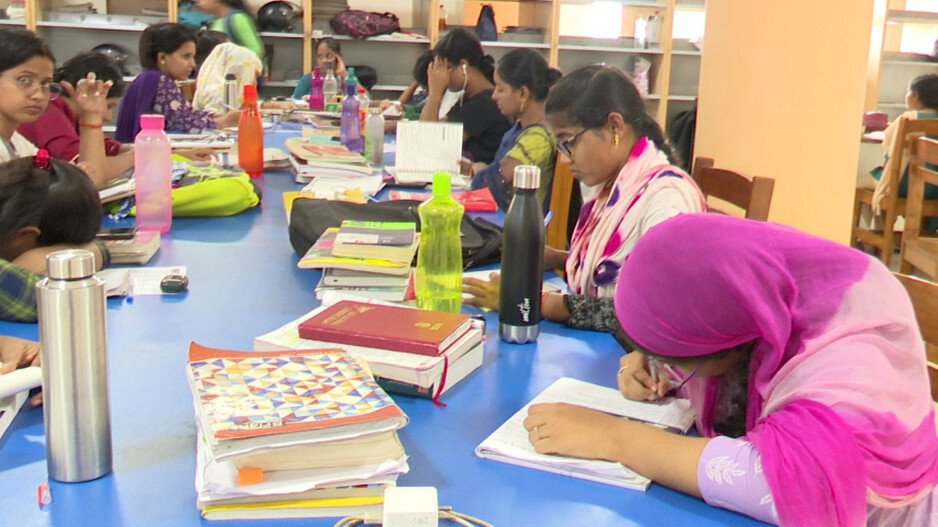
[89,125]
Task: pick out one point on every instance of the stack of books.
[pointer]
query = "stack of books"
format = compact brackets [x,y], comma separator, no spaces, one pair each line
[364,258]
[410,351]
[296,434]
[137,250]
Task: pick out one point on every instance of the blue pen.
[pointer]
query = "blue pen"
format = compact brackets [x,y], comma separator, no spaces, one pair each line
[548,217]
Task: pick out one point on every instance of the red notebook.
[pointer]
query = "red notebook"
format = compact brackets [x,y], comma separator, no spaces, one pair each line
[479,200]
[386,327]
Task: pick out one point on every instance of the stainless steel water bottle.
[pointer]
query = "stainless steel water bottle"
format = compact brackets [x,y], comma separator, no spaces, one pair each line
[519,298]
[73,341]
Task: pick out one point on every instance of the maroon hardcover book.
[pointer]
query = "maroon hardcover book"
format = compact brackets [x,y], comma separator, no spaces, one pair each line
[386,327]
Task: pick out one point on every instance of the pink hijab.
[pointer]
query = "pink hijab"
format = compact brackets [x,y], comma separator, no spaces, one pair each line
[838,400]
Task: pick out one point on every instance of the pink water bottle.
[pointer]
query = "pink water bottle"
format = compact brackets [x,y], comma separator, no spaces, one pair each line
[153,167]
[316,97]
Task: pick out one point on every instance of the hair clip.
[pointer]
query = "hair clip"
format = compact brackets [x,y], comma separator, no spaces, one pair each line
[42,160]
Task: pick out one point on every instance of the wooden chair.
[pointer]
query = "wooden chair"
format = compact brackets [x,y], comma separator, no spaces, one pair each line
[924,297]
[892,206]
[917,252]
[561,198]
[751,194]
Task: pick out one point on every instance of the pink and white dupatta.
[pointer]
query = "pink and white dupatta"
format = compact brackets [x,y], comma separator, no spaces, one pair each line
[838,400]
[608,226]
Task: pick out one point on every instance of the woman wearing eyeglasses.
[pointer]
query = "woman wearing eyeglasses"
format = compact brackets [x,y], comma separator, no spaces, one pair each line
[614,146]
[811,388]
[26,87]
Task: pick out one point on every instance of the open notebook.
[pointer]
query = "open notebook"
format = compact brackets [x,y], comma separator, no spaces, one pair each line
[509,443]
[424,148]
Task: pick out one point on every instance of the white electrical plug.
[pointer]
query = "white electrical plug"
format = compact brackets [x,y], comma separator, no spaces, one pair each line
[410,507]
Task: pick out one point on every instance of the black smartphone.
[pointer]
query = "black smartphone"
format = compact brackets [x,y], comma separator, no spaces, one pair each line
[117,233]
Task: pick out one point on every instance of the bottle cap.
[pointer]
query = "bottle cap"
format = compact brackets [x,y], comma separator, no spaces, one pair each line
[149,121]
[250,93]
[231,77]
[441,184]
[317,71]
[527,176]
[70,264]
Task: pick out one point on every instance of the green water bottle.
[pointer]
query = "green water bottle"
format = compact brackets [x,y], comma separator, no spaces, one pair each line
[439,258]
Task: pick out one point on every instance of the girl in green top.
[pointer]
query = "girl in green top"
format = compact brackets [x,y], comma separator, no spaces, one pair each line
[231,18]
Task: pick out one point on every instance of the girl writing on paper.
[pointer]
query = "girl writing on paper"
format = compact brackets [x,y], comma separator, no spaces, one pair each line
[615,147]
[803,361]
[460,64]
[167,54]
[522,80]
[45,205]
[27,86]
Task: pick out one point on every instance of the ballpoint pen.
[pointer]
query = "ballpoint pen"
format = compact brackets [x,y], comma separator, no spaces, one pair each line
[654,378]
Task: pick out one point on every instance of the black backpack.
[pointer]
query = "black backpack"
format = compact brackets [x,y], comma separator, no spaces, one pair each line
[485,26]
[309,218]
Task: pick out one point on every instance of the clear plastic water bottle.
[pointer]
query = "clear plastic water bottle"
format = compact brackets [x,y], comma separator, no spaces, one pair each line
[232,101]
[351,133]
[330,86]
[519,299]
[73,344]
[439,258]
[153,172]
[374,138]
[251,134]
[316,97]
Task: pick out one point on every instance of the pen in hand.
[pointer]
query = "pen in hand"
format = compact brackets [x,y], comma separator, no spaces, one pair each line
[654,378]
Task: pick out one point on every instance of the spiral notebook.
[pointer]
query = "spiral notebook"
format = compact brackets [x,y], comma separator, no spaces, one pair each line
[425,148]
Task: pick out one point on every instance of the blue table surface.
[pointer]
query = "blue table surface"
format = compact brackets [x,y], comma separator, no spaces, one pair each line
[244,282]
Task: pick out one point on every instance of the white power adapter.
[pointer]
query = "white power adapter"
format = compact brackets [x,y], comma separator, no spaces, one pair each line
[410,507]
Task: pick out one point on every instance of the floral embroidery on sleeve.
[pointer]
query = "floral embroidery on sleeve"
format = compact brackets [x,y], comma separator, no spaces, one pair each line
[178,113]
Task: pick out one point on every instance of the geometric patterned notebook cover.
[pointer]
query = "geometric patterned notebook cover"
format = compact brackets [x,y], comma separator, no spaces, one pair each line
[251,394]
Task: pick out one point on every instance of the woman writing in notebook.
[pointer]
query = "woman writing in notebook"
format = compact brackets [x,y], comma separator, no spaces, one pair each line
[615,147]
[803,362]
[522,80]
[460,64]
[167,54]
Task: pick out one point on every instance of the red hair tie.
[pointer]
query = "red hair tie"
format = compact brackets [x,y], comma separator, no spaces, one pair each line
[42,160]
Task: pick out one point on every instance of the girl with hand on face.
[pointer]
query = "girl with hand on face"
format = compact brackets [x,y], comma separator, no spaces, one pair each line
[328,51]
[522,80]
[616,148]
[460,64]
[167,54]
[802,360]
[27,86]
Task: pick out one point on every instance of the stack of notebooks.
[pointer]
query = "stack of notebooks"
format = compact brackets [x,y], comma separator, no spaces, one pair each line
[296,434]
[137,250]
[369,259]
[410,351]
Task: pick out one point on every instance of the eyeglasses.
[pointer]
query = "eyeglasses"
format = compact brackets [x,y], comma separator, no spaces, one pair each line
[30,85]
[675,378]
[566,145]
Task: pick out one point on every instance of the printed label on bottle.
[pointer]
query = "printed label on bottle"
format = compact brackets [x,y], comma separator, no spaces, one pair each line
[525,309]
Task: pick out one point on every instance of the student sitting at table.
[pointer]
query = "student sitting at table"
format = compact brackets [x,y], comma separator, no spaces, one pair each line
[27,86]
[614,146]
[167,52]
[328,50]
[232,19]
[45,205]
[803,361]
[460,64]
[921,102]
[226,58]
[522,80]
[59,129]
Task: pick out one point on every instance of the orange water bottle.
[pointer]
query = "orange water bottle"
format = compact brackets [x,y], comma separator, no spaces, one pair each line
[251,134]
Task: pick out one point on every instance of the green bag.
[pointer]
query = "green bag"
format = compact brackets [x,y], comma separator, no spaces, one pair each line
[209,190]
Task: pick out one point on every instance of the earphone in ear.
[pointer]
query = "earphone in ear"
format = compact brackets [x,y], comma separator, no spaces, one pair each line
[464,68]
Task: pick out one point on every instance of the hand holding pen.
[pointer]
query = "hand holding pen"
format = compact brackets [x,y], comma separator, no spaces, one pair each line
[639,380]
